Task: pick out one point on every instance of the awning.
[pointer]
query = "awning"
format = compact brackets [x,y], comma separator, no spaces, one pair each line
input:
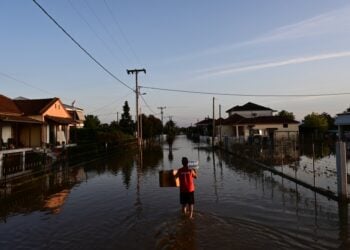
[342,119]
[59,120]
[21,119]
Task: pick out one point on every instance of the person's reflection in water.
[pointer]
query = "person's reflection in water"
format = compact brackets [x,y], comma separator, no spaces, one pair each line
[177,234]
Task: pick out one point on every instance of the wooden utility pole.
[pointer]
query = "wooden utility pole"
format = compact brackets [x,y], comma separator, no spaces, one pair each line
[161,115]
[137,92]
[161,112]
[220,123]
[213,133]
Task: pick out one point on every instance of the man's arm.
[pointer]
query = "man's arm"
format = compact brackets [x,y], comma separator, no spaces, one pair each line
[194,173]
[177,174]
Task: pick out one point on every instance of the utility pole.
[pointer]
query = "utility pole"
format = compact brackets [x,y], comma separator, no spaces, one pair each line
[220,123]
[161,114]
[213,135]
[117,117]
[137,92]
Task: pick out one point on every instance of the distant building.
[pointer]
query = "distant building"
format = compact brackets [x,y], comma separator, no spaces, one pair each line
[251,120]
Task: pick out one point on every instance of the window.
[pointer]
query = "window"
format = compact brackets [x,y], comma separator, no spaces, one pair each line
[285,125]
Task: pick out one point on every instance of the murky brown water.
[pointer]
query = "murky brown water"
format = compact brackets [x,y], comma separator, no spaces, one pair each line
[118,204]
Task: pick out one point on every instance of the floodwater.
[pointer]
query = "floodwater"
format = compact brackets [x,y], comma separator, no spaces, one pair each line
[117,203]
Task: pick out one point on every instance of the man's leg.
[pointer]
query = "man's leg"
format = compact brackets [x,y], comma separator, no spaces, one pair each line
[191,210]
[184,208]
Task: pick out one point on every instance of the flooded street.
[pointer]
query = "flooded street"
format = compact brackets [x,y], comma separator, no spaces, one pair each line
[117,203]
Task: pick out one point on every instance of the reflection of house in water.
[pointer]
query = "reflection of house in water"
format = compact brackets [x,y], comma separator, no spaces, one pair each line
[50,191]
[56,201]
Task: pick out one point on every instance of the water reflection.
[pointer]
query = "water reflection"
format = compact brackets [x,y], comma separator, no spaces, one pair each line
[118,200]
[179,233]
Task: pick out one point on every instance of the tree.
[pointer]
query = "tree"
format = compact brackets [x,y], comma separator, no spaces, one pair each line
[126,123]
[330,120]
[114,125]
[170,130]
[91,121]
[151,127]
[316,121]
[286,114]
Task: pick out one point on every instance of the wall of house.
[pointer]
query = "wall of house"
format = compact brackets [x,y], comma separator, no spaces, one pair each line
[281,132]
[226,130]
[250,113]
[6,133]
[29,136]
[58,110]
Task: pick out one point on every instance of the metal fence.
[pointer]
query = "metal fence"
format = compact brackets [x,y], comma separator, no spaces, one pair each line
[311,164]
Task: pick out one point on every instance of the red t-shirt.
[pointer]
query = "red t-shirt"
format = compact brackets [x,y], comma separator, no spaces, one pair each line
[186,179]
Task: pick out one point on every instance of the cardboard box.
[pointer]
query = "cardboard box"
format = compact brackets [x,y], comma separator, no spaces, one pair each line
[167,178]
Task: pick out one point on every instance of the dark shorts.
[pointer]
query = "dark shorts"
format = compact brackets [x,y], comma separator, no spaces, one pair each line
[186,198]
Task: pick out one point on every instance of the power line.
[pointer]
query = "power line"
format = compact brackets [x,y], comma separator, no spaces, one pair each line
[25,83]
[81,47]
[149,108]
[105,28]
[108,104]
[249,95]
[121,30]
[95,32]
[32,86]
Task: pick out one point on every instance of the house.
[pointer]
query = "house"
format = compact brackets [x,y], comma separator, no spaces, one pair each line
[343,122]
[249,110]
[52,114]
[205,126]
[16,130]
[77,115]
[251,120]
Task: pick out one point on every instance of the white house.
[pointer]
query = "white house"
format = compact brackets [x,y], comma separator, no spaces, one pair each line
[251,119]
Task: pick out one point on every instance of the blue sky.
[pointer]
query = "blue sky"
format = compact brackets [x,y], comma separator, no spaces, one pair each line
[240,47]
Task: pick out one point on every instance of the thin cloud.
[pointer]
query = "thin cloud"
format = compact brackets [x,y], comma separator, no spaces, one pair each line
[333,22]
[274,64]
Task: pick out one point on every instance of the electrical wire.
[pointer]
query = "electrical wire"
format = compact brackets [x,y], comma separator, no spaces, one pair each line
[81,47]
[95,33]
[25,83]
[121,30]
[249,95]
[32,86]
[149,108]
[108,104]
[106,29]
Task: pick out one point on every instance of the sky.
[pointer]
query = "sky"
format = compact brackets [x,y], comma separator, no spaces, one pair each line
[251,51]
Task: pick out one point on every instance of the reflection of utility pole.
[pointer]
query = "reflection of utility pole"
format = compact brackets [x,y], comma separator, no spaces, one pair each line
[136,72]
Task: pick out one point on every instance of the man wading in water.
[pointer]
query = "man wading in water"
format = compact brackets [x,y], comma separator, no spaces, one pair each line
[186,176]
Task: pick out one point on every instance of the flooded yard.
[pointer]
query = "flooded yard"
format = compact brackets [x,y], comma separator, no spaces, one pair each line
[116,203]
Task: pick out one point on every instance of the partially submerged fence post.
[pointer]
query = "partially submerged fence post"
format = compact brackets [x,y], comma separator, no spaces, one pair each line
[23,161]
[313,162]
[341,170]
[1,164]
